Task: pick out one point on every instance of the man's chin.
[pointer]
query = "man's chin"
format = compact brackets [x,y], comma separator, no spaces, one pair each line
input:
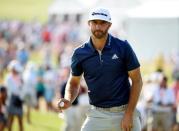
[99,36]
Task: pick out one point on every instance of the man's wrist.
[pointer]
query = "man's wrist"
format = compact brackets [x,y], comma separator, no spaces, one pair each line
[69,100]
[129,111]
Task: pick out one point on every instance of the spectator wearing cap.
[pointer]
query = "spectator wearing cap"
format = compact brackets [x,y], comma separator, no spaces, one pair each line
[13,82]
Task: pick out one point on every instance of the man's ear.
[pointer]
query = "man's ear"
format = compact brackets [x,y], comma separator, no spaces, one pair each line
[88,22]
[109,25]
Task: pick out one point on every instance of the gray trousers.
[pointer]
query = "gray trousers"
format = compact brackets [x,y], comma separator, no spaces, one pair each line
[99,120]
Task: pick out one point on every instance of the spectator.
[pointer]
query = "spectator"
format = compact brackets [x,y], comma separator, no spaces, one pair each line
[40,89]
[14,85]
[29,91]
[49,84]
[3,97]
[163,103]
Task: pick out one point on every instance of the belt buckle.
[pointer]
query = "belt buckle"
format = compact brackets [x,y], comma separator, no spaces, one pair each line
[112,109]
[118,109]
[109,109]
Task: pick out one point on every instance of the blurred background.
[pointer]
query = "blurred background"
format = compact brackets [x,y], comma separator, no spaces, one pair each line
[37,39]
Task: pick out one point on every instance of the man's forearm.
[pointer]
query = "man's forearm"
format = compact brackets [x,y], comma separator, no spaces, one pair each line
[134,96]
[71,91]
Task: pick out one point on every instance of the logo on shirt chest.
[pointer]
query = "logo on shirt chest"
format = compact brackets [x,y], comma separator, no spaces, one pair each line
[114,57]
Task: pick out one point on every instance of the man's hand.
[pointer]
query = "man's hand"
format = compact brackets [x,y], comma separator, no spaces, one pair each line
[127,122]
[63,104]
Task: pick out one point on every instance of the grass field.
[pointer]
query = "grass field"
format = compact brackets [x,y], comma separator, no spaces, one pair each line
[26,10]
[41,121]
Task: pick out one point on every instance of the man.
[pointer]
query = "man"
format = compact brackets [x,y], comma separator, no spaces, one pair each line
[106,63]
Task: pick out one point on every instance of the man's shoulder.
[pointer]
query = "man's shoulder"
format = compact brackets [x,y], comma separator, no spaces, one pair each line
[82,49]
[120,42]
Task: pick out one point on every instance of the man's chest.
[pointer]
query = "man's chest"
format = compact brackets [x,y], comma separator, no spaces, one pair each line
[107,61]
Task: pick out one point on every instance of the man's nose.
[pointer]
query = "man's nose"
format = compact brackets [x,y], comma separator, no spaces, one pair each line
[98,26]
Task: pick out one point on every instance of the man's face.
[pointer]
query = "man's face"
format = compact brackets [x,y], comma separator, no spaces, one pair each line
[99,28]
[163,83]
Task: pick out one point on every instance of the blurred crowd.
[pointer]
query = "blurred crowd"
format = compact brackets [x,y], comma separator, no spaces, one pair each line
[35,65]
[159,101]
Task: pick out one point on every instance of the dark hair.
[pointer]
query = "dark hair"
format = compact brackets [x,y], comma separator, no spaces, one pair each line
[165,78]
[159,70]
[2,89]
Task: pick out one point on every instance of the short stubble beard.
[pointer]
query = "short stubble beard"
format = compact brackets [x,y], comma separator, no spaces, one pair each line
[99,34]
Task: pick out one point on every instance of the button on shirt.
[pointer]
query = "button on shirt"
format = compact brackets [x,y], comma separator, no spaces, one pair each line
[106,72]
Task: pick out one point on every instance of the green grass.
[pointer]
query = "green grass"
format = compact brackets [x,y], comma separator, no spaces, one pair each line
[25,10]
[41,121]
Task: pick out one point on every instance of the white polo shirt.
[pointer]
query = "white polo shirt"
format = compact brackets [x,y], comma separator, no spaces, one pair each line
[164,96]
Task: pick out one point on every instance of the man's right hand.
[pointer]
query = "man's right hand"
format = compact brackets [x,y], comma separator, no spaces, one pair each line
[64,106]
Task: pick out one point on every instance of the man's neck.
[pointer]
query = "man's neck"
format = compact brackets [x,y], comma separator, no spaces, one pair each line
[99,43]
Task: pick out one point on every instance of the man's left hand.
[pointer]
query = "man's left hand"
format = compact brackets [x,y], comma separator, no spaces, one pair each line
[127,122]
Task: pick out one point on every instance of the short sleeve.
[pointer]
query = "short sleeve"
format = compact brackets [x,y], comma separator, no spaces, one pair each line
[76,68]
[130,58]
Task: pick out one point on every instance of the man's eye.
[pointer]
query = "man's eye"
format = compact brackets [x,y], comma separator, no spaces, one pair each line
[103,22]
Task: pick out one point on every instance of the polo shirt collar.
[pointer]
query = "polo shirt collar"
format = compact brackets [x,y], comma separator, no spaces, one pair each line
[107,45]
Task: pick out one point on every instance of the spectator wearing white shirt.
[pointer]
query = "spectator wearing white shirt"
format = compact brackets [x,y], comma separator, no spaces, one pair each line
[49,84]
[29,91]
[13,82]
[163,103]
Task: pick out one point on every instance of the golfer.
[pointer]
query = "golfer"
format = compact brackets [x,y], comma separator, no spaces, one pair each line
[106,63]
